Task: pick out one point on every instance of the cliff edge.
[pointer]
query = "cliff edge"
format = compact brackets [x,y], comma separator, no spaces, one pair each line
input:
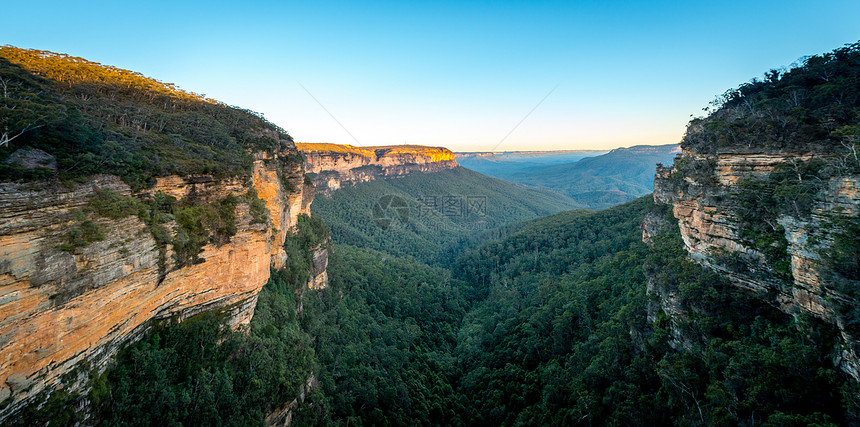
[331,165]
[125,201]
[767,192]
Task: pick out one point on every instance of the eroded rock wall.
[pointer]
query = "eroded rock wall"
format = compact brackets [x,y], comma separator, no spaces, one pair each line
[333,165]
[319,258]
[63,313]
[704,194]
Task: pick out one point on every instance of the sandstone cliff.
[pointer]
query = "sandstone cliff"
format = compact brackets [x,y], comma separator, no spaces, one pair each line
[67,310]
[330,165]
[319,272]
[767,221]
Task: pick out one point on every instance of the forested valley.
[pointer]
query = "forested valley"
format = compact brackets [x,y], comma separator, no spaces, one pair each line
[512,312]
[548,325]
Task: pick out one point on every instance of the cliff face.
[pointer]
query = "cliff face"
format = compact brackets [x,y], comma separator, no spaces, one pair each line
[722,212]
[319,272]
[64,312]
[283,416]
[333,164]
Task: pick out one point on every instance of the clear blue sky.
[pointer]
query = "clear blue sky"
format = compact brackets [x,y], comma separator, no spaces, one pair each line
[457,74]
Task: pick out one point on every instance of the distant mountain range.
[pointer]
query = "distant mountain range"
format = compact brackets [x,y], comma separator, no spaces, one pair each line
[502,164]
[596,179]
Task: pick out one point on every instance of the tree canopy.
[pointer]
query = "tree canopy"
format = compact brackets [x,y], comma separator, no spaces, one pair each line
[99,119]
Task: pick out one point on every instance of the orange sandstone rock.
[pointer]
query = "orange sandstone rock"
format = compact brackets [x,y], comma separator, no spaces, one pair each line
[59,309]
[336,164]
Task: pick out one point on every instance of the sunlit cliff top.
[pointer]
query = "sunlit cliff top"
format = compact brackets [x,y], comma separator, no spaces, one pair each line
[435,153]
[70,70]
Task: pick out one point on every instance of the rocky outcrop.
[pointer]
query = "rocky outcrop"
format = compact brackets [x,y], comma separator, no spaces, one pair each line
[319,258]
[331,165]
[705,193]
[64,312]
[32,158]
[283,416]
[652,223]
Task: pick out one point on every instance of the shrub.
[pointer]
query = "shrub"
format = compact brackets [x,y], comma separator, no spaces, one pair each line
[201,224]
[256,207]
[81,235]
[110,204]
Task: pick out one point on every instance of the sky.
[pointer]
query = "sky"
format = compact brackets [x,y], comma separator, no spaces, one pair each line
[470,76]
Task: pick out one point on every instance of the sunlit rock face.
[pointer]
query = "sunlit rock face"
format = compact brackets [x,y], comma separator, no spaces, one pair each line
[331,165]
[64,313]
[705,200]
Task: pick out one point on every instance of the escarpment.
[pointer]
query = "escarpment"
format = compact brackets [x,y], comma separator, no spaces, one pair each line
[732,219]
[67,306]
[766,191]
[330,165]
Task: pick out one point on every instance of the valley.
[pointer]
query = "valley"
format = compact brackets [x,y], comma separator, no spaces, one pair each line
[593,179]
[169,259]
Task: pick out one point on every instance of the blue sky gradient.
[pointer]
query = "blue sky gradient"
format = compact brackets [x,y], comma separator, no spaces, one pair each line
[457,74]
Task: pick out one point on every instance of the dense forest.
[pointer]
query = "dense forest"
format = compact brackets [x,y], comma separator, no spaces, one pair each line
[439,211]
[563,336]
[550,325]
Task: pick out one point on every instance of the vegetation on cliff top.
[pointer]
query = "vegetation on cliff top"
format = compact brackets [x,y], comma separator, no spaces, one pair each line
[435,154]
[96,119]
[333,148]
[814,106]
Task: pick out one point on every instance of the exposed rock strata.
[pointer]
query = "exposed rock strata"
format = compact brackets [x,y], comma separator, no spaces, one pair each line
[706,206]
[332,164]
[63,313]
[319,256]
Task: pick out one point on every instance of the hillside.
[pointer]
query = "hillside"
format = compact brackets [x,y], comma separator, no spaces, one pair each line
[504,164]
[766,192]
[89,119]
[124,203]
[422,214]
[595,180]
[618,176]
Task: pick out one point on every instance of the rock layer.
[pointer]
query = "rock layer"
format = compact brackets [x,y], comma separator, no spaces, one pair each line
[331,165]
[319,258]
[63,313]
[704,199]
